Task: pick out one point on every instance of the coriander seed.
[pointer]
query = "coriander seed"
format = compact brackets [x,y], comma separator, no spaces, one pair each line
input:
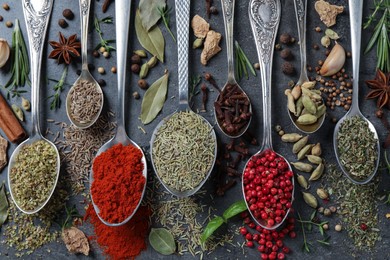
[6,6]
[101,70]
[113,69]
[136,95]
[338,227]
[102,49]
[106,54]
[9,24]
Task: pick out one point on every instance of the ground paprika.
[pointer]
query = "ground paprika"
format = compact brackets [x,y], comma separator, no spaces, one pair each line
[118,182]
[122,242]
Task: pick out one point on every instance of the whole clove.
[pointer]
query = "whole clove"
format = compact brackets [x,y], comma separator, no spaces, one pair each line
[209,78]
[208,7]
[204,90]
[105,6]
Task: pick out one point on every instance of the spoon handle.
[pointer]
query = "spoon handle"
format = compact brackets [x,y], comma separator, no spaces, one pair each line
[84,19]
[300,14]
[228,17]
[182,23]
[355,17]
[122,23]
[36,15]
[264,16]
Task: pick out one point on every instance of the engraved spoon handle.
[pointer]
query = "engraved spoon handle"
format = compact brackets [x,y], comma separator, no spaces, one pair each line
[182,24]
[36,15]
[228,17]
[300,14]
[84,18]
[264,16]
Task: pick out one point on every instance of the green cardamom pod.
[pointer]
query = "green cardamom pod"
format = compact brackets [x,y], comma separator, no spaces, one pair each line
[290,101]
[296,92]
[331,34]
[316,150]
[152,62]
[197,43]
[298,107]
[291,138]
[317,173]
[320,110]
[325,41]
[18,112]
[310,200]
[144,71]
[300,144]
[314,94]
[26,104]
[309,84]
[314,158]
[140,53]
[307,119]
[322,193]
[304,167]
[309,104]
[303,182]
[305,150]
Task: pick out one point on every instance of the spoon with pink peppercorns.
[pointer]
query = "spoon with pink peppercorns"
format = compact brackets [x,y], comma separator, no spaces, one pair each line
[267,181]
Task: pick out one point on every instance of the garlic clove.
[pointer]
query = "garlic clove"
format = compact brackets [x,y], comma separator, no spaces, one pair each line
[334,62]
[4,52]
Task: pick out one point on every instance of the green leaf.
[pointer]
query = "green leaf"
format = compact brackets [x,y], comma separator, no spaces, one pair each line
[154,99]
[234,209]
[213,225]
[149,11]
[152,40]
[162,241]
[321,230]
[3,205]
[313,215]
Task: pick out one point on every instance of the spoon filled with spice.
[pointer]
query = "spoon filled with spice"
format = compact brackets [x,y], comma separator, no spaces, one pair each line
[232,108]
[119,170]
[35,163]
[183,145]
[267,172]
[305,105]
[84,101]
[355,139]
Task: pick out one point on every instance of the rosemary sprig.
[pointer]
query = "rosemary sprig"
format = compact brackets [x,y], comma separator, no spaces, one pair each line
[20,67]
[380,35]
[241,63]
[58,88]
[194,82]
[164,12]
[103,43]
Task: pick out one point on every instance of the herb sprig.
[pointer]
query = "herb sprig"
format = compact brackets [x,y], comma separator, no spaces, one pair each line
[71,213]
[164,12]
[194,82]
[309,226]
[58,88]
[103,43]
[242,63]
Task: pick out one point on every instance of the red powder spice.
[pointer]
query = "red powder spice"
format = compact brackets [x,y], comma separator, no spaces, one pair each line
[122,242]
[118,182]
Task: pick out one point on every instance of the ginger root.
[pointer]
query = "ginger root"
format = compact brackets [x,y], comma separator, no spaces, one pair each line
[211,46]
[75,240]
[328,12]
[200,27]
[3,152]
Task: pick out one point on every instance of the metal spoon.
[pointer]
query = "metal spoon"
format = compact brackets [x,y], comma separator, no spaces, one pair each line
[228,17]
[355,16]
[264,17]
[36,15]
[85,74]
[300,14]
[122,21]
[182,23]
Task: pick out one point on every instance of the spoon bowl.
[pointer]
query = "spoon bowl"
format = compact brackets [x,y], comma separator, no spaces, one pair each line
[33,11]
[356,14]
[85,75]
[122,13]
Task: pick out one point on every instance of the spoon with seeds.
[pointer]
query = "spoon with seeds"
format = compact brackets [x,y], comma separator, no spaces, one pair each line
[122,22]
[37,15]
[232,96]
[84,101]
[355,15]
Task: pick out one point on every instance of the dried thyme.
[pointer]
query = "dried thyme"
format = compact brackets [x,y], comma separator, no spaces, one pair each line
[357,147]
[184,165]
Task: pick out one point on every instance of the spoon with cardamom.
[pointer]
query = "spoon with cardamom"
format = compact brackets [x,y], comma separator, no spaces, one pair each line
[305,106]
[267,172]
[35,163]
[355,138]
[84,101]
[183,145]
[232,108]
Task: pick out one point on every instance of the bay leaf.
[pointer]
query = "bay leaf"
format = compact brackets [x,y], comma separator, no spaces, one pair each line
[213,225]
[162,241]
[154,99]
[3,205]
[152,40]
[149,11]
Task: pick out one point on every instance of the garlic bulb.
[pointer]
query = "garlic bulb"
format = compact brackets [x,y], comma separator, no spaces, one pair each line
[4,52]
[334,62]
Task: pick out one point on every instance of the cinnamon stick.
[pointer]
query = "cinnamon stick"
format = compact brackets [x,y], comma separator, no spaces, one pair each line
[9,123]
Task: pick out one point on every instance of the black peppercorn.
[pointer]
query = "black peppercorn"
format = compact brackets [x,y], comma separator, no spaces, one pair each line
[286,54]
[288,68]
[68,14]
[102,82]
[78,72]
[1,18]
[285,38]
[136,59]
[96,54]
[213,10]
[62,23]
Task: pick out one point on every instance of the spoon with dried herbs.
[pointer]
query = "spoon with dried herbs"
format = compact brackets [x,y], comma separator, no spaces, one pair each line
[127,164]
[35,164]
[305,105]
[232,108]
[84,101]
[355,139]
[183,145]
[267,172]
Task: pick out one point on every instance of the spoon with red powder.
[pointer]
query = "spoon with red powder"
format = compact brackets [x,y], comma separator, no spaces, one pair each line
[118,175]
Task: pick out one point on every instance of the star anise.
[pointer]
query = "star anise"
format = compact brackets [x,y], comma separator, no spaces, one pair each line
[380,89]
[66,49]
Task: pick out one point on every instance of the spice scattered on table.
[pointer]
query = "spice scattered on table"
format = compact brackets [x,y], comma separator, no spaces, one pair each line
[183,166]
[75,241]
[65,50]
[34,174]
[334,62]
[3,152]
[4,52]
[327,12]
[118,182]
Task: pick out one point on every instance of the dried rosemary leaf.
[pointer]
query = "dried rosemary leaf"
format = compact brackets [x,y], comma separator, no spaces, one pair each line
[154,99]
[162,241]
[149,12]
[152,40]
[3,205]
